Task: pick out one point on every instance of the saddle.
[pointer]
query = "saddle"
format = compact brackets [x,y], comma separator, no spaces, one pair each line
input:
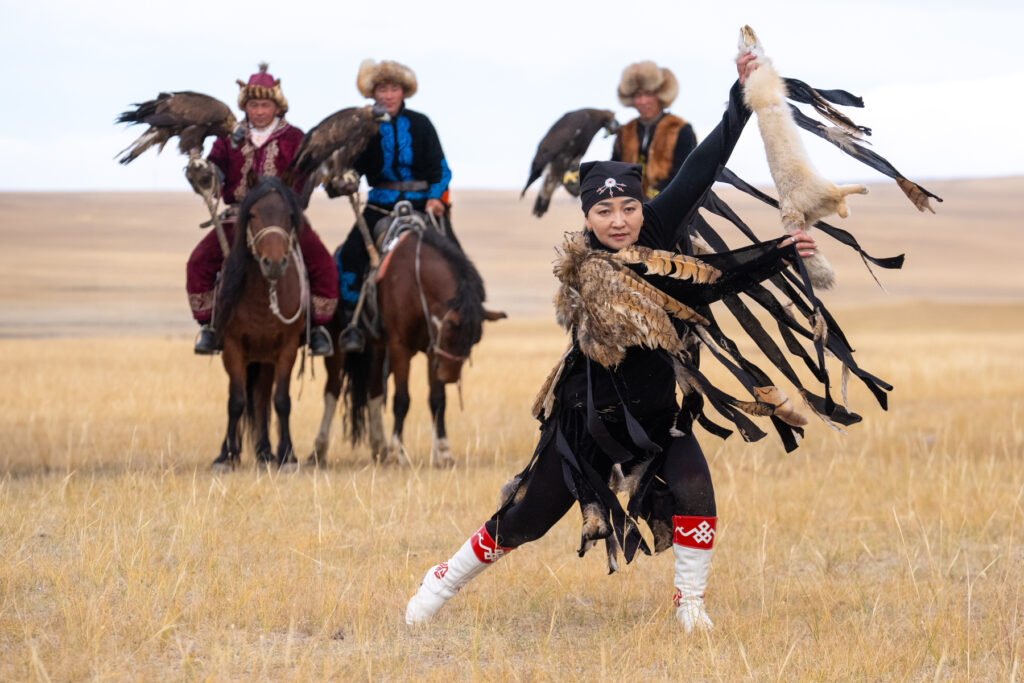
[402,219]
[387,232]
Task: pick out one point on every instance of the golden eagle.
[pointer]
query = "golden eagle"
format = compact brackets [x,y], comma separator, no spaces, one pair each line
[329,150]
[561,149]
[192,116]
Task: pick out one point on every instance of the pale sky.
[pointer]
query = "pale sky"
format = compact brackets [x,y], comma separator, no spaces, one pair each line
[943,82]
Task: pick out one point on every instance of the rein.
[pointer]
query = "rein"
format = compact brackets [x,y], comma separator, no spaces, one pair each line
[435,338]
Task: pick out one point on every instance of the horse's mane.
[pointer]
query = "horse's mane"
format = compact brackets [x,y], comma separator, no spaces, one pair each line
[232,281]
[469,297]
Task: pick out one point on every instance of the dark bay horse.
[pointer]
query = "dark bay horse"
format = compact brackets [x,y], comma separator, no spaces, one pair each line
[261,312]
[430,299]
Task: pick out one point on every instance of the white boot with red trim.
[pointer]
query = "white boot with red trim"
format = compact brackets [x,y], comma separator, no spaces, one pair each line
[691,544]
[443,581]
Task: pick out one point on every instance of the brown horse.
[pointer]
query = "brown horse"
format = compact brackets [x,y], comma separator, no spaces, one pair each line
[430,299]
[261,313]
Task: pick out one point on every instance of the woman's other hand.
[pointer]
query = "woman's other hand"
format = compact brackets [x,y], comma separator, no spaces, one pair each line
[805,244]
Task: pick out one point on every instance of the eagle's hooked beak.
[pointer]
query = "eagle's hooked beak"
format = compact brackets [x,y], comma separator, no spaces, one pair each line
[380,113]
[238,134]
[611,128]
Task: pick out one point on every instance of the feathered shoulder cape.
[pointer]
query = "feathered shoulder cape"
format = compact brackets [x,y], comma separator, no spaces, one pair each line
[611,301]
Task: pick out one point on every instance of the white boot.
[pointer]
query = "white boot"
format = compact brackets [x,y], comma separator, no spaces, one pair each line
[692,543]
[443,581]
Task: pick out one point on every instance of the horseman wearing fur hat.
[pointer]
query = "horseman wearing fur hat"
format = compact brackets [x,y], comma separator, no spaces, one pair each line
[267,149]
[404,162]
[656,140]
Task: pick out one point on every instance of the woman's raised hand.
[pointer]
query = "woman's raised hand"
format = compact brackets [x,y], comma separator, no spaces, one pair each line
[746,63]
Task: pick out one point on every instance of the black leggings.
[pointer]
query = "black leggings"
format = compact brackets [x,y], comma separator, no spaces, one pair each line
[547,498]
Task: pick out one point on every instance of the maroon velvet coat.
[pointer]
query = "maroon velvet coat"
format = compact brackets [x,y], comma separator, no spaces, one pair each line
[244,165]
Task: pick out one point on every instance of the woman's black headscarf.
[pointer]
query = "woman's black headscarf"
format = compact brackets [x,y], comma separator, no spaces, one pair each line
[605,179]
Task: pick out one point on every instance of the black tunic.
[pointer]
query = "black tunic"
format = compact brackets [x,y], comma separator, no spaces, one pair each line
[625,415]
[646,374]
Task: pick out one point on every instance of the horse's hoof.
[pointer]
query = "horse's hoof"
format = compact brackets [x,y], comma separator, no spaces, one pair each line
[224,463]
[315,460]
[441,454]
[289,467]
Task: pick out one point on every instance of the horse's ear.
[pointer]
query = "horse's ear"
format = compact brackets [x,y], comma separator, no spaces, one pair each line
[494,315]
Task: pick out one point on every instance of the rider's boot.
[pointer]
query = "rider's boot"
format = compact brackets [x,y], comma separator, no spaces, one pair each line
[207,343]
[320,342]
[443,581]
[691,544]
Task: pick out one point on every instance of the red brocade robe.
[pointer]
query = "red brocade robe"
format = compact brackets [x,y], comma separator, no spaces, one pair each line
[243,165]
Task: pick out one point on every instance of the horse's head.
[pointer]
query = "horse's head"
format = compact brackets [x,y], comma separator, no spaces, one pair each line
[455,336]
[270,218]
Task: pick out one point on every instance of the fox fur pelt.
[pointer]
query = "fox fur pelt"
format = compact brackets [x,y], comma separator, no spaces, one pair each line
[804,196]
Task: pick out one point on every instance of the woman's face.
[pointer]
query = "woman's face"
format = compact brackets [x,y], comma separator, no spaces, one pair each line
[616,222]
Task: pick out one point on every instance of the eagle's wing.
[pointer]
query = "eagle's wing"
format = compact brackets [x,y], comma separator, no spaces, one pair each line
[568,139]
[329,150]
[191,116]
[341,137]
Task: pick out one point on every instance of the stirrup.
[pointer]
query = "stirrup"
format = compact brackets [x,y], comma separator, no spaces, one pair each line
[320,343]
[352,339]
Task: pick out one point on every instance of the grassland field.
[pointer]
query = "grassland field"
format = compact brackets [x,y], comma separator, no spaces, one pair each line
[892,552]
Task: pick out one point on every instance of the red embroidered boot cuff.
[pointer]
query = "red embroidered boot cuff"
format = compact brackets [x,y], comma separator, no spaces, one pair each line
[487,551]
[694,532]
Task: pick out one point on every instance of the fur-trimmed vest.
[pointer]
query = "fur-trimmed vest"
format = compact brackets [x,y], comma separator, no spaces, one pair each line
[657,167]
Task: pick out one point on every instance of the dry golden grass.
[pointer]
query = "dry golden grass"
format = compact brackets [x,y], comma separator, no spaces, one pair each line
[893,552]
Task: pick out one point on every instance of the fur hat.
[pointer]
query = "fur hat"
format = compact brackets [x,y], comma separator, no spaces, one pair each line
[262,86]
[650,77]
[372,74]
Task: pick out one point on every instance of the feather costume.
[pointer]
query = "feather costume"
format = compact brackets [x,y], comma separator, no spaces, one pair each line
[642,316]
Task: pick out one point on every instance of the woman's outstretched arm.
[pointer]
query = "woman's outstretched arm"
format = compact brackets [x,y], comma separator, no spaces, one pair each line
[699,170]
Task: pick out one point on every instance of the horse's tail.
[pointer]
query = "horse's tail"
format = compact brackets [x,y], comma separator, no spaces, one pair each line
[355,382]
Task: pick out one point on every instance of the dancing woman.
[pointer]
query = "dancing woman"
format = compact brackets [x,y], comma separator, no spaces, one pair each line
[599,413]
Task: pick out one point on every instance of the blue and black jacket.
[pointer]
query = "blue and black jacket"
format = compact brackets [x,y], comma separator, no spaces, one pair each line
[406,149]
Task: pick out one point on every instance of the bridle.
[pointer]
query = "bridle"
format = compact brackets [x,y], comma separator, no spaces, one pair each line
[252,240]
[435,346]
[293,249]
